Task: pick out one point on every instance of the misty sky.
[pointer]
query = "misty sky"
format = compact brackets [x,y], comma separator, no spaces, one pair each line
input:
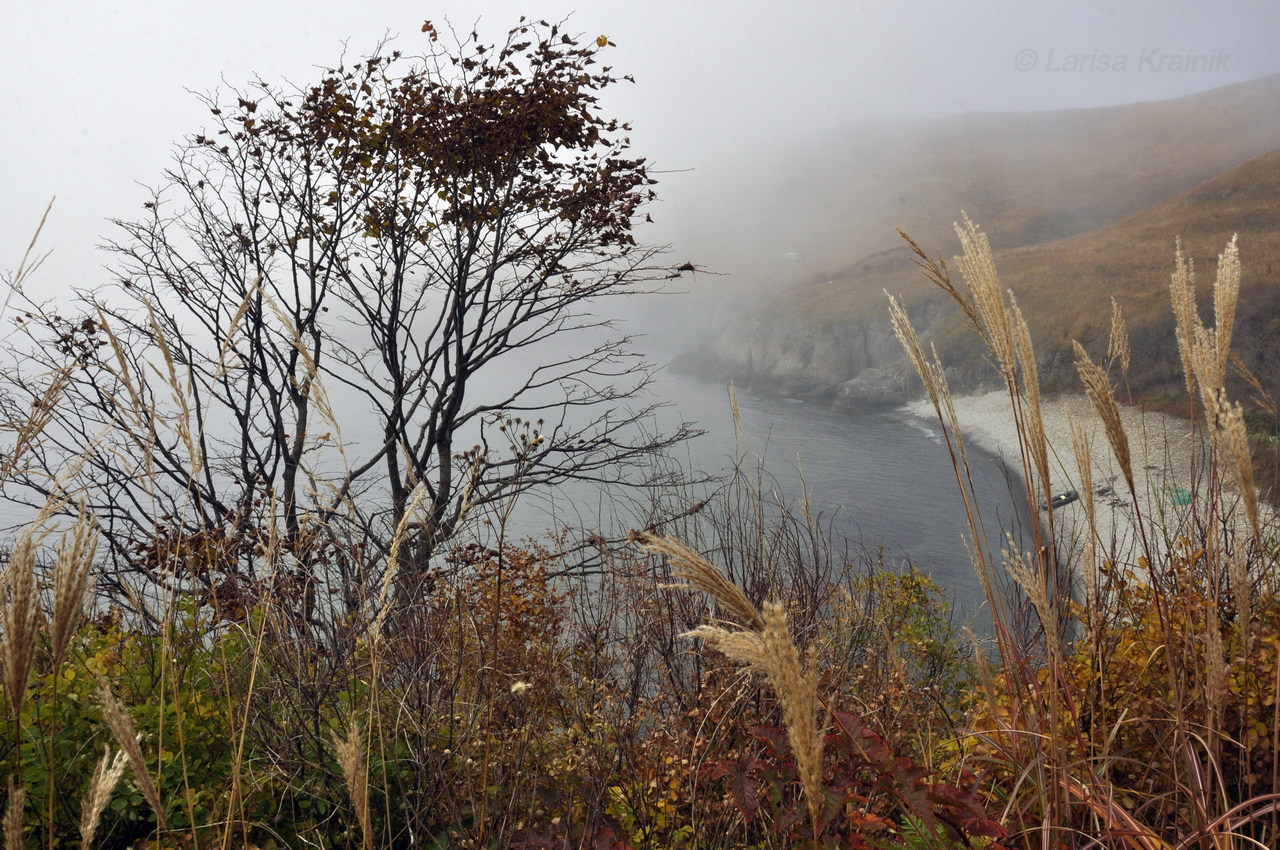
[96,94]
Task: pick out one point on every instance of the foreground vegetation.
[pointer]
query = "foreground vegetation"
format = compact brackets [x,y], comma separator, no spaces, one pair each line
[525,702]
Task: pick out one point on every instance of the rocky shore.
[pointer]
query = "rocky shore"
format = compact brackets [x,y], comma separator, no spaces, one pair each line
[839,361]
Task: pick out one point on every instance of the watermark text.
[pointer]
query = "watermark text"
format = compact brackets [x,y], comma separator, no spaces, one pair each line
[1149,60]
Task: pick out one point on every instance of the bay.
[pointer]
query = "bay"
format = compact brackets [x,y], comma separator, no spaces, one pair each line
[878,478]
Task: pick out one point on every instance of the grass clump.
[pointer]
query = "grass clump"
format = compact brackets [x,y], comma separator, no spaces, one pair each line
[1144,717]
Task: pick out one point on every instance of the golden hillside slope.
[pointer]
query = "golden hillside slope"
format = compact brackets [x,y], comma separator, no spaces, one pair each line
[1064,286]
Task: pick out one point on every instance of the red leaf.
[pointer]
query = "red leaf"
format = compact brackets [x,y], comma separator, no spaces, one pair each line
[864,740]
[792,815]
[967,808]
[744,786]
[773,736]
[605,837]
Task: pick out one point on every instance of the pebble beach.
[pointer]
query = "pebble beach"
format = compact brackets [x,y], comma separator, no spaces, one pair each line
[1162,448]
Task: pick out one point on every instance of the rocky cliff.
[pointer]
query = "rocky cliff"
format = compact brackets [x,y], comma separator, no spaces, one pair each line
[853,363]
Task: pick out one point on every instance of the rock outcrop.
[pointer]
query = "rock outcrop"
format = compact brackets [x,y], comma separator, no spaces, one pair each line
[857,364]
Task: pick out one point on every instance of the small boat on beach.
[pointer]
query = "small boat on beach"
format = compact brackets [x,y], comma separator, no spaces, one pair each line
[1066,497]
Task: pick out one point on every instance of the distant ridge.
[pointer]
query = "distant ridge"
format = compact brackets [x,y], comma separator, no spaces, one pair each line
[820,339]
[1036,176]
[1028,177]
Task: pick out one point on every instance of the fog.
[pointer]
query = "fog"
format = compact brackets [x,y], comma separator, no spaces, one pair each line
[788,139]
[730,99]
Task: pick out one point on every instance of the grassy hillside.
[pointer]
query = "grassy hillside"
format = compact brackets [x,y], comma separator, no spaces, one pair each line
[1067,284]
[1035,177]
[1028,178]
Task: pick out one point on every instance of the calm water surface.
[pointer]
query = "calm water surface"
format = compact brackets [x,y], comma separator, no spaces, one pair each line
[884,478]
[877,478]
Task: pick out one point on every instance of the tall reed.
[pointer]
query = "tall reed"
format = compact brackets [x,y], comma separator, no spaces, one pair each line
[765,645]
[1064,731]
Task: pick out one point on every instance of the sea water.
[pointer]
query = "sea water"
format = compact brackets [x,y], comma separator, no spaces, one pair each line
[877,479]
[883,478]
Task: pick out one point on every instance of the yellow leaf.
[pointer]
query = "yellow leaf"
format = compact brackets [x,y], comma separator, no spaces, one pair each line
[602,41]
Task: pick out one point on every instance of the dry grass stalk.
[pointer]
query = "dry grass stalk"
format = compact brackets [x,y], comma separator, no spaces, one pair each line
[979,271]
[1215,675]
[350,752]
[234,331]
[986,309]
[479,462]
[137,408]
[1035,585]
[29,263]
[385,603]
[950,418]
[1234,438]
[42,413]
[180,393]
[1204,359]
[1098,389]
[742,647]
[768,647]
[121,725]
[1083,450]
[106,776]
[701,575]
[910,343]
[71,582]
[1182,292]
[936,271]
[309,384]
[797,687]
[13,831]
[1118,345]
[1226,293]
[772,651]
[934,377]
[931,372]
[1261,397]
[1205,352]
[1033,423]
[21,617]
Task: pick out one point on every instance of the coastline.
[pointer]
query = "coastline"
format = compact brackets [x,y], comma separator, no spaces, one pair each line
[1161,446]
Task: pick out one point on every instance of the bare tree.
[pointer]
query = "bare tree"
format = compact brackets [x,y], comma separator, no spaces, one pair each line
[399,233]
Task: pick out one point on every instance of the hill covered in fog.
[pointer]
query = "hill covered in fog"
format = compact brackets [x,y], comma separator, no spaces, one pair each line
[1079,205]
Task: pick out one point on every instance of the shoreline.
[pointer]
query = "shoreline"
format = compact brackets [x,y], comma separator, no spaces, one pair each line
[1161,447]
